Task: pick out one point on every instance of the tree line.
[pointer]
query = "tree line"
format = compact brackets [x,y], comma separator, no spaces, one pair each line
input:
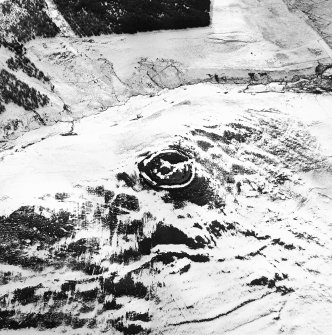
[95,17]
[21,62]
[18,92]
[33,20]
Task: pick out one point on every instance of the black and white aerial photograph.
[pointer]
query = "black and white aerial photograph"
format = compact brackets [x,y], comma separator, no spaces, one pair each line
[166,167]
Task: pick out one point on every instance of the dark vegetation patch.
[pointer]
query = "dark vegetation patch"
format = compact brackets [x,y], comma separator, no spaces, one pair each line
[69,294]
[5,277]
[33,21]
[27,218]
[163,234]
[11,88]
[2,107]
[184,269]
[126,256]
[108,196]
[26,223]
[126,178]
[257,157]
[49,320]
[82,246]
[197,225]
[254,234]
[217,229]
[111,305]
[229,136]
[14,255]
[128,329]
[236,132]
[18,92]
[21,62]
[77,256]
[242,170]
[210,135]
[306,236]
[88,268]
[134,227]
[33,320]
[112,218]
[168,235]
[13,45]
[61,196]
[271,283]
[283,244]
[85,300]
[264,281]
[68,286]
[166,258]
[198,192]
[88,18]
[100,191]
[170,257]
[251,254]
[59,298]
[25,227]
[133,316]
[25,295]
[257,252]
[126,201]
[86,296]
[204,145]
[280,179]
[249,131]
[284,289]
[126,286]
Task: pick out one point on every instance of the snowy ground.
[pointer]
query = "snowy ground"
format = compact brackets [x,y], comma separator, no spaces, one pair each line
[246,249]
[267,266]
[84,155]
[92,74]
[245,35]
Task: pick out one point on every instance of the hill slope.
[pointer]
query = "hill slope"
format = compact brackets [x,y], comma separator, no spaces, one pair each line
[165,182]
[90,75]
[88,247]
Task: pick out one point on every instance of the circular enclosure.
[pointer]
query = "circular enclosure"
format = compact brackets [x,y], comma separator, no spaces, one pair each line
[167,169]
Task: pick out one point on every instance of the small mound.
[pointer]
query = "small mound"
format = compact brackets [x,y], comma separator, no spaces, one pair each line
[168,169]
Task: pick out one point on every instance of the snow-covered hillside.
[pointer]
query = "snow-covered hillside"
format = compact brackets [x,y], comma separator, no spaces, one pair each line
[89,75]
[173,182]
[244,249]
